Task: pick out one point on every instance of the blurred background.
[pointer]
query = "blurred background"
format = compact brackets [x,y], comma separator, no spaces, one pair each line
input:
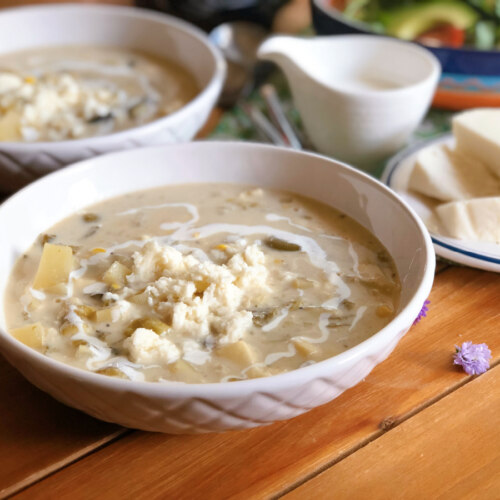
[289,16]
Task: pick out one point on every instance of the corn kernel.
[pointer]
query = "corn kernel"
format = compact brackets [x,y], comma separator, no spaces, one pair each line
[98,250]
[155,324]
[69,329]
[221,247]
[111,371]
[384,311]
[84,311]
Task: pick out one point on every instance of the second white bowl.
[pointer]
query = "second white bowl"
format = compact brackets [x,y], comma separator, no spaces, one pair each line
[154,33]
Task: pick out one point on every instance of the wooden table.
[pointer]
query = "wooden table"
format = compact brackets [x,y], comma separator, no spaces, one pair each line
[416,427]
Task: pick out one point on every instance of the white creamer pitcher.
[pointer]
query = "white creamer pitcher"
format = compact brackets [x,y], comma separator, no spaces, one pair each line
[359,96]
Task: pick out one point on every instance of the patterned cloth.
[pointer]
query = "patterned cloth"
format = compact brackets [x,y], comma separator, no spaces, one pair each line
[235,125]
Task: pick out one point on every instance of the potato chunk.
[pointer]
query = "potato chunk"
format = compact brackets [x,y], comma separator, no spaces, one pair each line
[104,315]
[257,372]
[116,274]
[55,266]
[140,298]
[10,125]
[304,348]
[239,352]
[182,369]
[30,335]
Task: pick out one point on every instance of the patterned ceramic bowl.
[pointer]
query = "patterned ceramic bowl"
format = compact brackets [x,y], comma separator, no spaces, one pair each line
[195,408]
[470,78]
[155,33]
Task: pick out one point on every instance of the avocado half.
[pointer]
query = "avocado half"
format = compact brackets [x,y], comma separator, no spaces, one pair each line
[410,22]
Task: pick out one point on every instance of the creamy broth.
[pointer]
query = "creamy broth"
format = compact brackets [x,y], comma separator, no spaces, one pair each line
[59,93]
[201,283]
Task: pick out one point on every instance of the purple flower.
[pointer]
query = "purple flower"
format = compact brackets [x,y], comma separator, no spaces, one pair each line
[473,358]
[423,312]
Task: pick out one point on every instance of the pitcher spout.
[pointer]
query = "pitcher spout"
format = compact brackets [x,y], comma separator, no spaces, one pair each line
[284,52]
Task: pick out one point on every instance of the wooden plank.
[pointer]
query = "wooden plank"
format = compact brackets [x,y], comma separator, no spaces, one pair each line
[449,450]
[267,461]
[56,437]
[38,434]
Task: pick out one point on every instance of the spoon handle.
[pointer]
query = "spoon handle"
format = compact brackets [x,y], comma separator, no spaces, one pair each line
[270,96]
[263,124]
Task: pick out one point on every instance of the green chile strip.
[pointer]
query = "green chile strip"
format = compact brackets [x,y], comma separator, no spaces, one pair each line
[279,244]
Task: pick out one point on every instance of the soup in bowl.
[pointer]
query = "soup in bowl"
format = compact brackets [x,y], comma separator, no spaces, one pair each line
[253,277]
[77,81]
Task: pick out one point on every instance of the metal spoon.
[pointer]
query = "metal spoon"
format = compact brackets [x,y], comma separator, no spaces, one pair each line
[268,93]
[239,41]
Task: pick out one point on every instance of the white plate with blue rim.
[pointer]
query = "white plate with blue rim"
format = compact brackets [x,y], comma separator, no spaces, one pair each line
[481,255]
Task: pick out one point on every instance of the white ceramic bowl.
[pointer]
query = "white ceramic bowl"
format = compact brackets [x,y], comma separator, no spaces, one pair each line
[184,408]
[152,32]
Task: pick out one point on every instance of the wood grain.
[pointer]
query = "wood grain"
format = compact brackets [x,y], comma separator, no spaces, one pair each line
[38,435]
[450,450]
[268,461]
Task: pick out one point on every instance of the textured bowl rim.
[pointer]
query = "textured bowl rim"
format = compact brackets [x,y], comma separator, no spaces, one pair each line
[214,84]
[402,321]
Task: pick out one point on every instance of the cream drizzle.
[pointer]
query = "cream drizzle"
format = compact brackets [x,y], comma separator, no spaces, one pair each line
[26,300]
[100,350]
[360,311]
[276,217]
[37,294]
[316,254]
[276,356]
[126,366]
[193,211]
[277,320]
[291,350]
[355,259]
[186,232]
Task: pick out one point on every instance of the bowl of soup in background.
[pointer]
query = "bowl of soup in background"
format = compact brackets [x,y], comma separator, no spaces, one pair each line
[154,34]
[214,407]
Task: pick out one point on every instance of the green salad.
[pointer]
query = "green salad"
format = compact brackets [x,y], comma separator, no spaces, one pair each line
[447,23]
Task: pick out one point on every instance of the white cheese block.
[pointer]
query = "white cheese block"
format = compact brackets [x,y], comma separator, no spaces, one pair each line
[477,219]
[477,134]
[447,175]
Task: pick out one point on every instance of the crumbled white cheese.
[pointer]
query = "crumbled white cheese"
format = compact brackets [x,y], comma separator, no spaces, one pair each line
[249,198]
[56,106]
[9,82]
[148,348]
[202,297]
[120,310]
[95,288]
[193,353]
[111,297]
